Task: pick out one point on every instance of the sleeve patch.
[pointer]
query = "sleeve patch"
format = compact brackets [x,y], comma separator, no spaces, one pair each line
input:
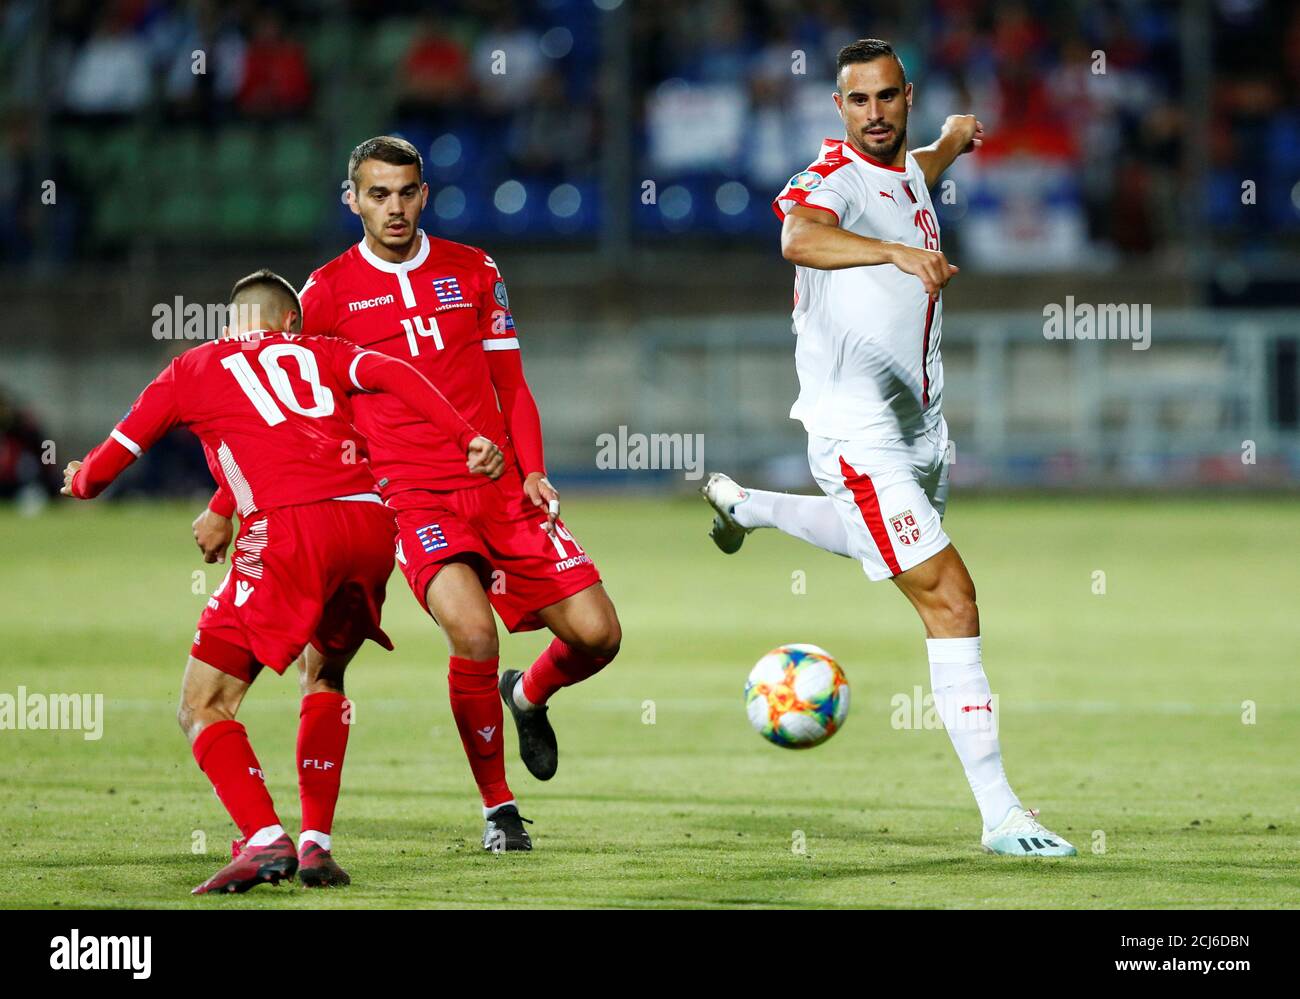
[805,181]
[499,293]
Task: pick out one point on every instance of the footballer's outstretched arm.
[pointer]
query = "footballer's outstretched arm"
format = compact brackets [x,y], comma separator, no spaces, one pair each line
[810,237]
[364,371]
[524,424]
[523,421]
[154,413]
[369,371]
[961,133]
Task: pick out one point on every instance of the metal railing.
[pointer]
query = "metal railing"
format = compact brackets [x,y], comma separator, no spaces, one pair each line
[1213,399]
[1208,391]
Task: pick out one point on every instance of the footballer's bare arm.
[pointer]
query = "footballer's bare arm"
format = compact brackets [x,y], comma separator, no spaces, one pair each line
[212,533]
[962,133]
[810,237]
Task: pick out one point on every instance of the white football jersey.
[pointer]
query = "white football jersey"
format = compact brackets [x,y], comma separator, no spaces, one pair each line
[868,337]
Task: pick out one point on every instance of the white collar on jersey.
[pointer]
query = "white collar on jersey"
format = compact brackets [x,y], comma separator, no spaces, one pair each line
[260,335]
[401,267]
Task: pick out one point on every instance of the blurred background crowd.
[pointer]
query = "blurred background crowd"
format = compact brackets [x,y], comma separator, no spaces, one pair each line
[721,98]
[604,149]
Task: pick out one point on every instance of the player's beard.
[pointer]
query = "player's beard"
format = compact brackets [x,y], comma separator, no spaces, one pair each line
[885,152]
[397,244]
[407,240]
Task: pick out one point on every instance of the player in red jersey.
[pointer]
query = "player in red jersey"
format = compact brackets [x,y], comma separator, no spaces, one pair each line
[313,555]
[465,546]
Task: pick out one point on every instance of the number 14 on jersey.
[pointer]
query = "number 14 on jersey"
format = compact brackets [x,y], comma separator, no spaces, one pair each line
[416,328]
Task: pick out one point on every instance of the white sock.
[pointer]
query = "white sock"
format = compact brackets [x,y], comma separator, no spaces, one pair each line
[314,836]
[808,518]
[964,702]
[517,695]
[265,835]
[487,812]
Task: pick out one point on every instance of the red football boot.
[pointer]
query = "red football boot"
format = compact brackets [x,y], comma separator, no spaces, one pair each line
[317,869]
[256,864]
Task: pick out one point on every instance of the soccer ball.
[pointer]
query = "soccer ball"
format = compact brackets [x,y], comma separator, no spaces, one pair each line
[797,696]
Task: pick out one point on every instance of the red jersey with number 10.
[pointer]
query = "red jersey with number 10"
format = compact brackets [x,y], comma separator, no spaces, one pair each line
[274,415]
[442,312]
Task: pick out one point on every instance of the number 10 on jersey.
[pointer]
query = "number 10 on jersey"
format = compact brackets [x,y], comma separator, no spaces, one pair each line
[416,328]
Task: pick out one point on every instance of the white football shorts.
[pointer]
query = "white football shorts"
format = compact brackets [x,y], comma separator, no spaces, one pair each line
[890,494]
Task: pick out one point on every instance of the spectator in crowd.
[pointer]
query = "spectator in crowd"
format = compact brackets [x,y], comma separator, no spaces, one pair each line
[725,52]
[19,191]
[553,138]
[38,199]
[201,53]
[476,68]
[110,73]
[26,453]
[277,81]
[507,63]
[433,78]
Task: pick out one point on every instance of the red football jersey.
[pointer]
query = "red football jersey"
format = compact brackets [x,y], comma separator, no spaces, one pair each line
[442,311]
[274,415]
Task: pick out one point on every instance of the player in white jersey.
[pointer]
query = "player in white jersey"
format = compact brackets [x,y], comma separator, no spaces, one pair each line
[860,228]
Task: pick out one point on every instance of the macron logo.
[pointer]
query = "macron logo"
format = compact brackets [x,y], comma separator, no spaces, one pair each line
[77,953]
[370,303]
[487,733]
[242,592]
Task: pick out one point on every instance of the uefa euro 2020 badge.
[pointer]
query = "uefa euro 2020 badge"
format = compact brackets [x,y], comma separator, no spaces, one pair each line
[805,181]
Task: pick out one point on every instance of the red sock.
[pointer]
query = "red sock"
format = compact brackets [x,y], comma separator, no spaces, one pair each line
[560,665]
[322,741]
[223,753]
[476,706]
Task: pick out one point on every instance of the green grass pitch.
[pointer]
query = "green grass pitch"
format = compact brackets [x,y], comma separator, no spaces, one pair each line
[1157,724]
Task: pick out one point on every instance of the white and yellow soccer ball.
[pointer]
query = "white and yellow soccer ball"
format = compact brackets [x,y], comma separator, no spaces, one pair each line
[797,696]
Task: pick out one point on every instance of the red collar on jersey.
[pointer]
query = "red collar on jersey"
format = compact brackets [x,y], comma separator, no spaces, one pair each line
[848,149]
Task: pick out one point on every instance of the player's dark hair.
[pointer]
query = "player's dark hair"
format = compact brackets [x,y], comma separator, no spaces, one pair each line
[866,50]
[270,287]
[386,149]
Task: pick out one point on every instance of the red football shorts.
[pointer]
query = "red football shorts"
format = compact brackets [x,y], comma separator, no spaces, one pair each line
[298,574]
[521,566]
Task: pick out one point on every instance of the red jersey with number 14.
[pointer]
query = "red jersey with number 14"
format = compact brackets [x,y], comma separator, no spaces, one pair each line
[442,311]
